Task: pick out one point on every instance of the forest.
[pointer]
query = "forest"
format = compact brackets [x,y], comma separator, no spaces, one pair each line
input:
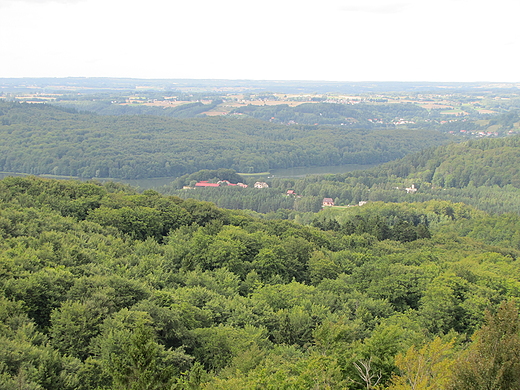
[103,287]
[104,105]
[369,113]
[411,282]
[43,139]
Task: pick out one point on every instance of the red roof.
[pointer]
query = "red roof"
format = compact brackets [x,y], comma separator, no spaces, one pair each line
[223,182]
[206,184]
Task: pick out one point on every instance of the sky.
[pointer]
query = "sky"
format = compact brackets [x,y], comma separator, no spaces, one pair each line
[334,40]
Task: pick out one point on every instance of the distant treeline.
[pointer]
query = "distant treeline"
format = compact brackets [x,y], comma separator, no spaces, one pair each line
[106,107]
[361,115]
[42,139]
[377,116]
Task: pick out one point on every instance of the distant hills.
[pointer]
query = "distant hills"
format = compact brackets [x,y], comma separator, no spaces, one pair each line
[43,139]
[288,86]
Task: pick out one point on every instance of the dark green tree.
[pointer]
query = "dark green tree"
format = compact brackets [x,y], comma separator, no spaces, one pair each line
[492,361]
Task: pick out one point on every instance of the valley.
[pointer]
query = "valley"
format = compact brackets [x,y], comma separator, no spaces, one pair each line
[374,235]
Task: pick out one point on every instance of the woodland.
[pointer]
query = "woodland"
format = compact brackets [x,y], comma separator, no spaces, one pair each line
[368,113]
[103,288]
[43,139]
[359,115]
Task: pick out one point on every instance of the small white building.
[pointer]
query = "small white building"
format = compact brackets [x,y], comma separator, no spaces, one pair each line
[261,184]
[411,190]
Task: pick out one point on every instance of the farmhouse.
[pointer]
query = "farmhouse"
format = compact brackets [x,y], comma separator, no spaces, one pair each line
[261,184]
[206,184]
[411,190]
[327,202]
[220,183]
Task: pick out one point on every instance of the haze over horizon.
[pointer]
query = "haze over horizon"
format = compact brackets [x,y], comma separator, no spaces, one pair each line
[335,40]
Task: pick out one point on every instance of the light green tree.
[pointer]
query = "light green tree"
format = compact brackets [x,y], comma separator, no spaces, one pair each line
[427,368]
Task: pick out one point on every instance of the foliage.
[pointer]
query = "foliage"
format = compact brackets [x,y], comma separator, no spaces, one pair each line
[429,368]
[493,360]
[42,139]
[105,288]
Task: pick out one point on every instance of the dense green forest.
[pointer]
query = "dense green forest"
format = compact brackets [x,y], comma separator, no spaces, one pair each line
[42,139]
[483,173]
[106,105]
[105,288]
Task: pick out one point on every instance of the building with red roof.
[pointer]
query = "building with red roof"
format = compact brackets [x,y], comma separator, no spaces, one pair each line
[206,184]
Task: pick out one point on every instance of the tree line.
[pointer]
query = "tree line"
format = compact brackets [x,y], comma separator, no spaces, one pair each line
[360,115]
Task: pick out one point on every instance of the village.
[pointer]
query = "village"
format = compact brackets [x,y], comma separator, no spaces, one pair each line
[326,202]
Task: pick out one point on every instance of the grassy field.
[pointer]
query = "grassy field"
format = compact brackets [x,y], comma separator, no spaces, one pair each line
[260,174]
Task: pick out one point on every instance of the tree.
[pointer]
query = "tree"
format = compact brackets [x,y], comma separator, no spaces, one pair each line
[130,354]
[137,367]
[441,308]
[427,368]
[370,379]
[73,326]
[492,361]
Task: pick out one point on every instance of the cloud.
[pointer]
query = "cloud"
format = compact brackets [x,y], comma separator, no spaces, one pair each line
[376,6]
[8,2]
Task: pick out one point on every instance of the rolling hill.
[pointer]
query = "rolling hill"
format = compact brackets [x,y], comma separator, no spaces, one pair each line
[42,139]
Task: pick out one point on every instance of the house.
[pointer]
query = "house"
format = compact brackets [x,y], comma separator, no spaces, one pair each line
[261,184]
[328,202]
[220,183]
[411,189]
[290,192]
[362,203]
[206,184]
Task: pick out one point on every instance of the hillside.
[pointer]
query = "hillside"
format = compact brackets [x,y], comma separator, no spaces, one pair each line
[105,288]
[360,115]
[483,173]
[485,162]
[41,139]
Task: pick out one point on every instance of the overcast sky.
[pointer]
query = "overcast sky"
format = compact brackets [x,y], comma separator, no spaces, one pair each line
[337,40]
